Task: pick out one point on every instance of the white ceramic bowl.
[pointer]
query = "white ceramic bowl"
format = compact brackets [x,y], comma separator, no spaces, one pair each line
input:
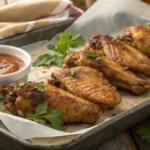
[20,75]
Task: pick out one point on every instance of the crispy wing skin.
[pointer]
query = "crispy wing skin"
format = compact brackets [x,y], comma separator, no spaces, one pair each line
[112,71]
[121,53]
[89,84]
[138,37]
[22,101]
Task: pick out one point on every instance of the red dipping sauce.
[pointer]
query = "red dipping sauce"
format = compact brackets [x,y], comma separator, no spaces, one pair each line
[10,64]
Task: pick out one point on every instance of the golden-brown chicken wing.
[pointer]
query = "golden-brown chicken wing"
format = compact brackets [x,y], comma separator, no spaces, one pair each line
[24,100]
[112,71]
[89,84]
[121,53]
[138,37]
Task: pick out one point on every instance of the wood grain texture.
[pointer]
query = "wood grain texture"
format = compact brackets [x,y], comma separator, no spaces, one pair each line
[123,141]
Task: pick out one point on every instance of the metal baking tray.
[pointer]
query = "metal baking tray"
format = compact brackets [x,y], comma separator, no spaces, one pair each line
[85,141]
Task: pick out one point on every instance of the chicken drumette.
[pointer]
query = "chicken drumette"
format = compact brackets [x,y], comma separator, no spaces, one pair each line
[112,71]
[89,84]
[24,100]
[138,37]
[121,53]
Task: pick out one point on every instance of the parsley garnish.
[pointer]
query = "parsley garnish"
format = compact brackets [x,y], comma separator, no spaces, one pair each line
[76,40]
[22,84]
[90,54]
[42,116]
[40,87]
[66,41]
[72,72]
[49,60]
[97,58]
[62,46]
[144,133]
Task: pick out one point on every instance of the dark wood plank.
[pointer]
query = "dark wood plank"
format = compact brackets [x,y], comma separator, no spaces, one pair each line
[123,141]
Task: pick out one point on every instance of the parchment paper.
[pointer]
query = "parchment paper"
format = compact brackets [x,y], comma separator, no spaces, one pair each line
[105,17]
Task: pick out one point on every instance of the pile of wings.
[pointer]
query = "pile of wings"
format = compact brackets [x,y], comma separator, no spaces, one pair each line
[88,82]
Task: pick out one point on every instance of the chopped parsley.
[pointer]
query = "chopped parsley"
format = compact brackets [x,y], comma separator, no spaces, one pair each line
[22,84]
[91,54]
[49,60]
[72,72]
[97,58]
[40,87]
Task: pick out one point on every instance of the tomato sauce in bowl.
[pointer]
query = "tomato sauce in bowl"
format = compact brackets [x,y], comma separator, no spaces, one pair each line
[10,64]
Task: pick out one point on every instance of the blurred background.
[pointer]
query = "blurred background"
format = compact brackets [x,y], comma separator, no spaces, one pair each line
[83,4]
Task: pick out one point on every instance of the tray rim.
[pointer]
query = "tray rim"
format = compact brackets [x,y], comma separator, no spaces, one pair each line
[83,136]
[80,137]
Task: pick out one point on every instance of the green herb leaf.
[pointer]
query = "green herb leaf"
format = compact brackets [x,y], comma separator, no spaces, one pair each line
[77,40]
[42,116]
[66,36]
[40,87]
[148,24]
[72,72]
[55,120]
[31,116]
[50,46]
[49,117]
[40,121]
[56,113]
[22,84]
[41,109]
[66,41]
[56,124]
[62,47]
[90,54]
[97,58]
[49,60]
[144,133]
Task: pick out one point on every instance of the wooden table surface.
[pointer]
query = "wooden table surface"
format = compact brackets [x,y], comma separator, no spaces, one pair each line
[127,140]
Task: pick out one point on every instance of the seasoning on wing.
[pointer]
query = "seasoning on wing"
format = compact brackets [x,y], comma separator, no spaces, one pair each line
[89,84]
[24,100]
[112,71]
[138,37]
[121,53]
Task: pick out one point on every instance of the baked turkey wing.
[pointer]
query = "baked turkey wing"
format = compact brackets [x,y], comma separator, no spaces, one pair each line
[23,101]
[89,84]
[121,53]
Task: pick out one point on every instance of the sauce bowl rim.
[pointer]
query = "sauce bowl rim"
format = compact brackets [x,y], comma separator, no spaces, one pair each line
[27,64]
